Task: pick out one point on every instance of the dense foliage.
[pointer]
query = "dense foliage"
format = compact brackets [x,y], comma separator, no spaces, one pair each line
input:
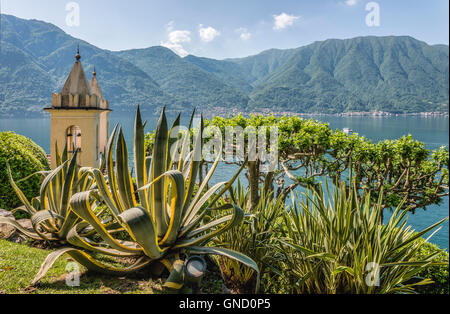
[438,274]
[24,158]
[395,74]
[333,243]
[310,150]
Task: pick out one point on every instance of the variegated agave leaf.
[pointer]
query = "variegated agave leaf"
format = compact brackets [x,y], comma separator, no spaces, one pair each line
[166,219]
[51,214]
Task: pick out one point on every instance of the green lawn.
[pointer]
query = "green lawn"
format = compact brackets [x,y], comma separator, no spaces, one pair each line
[19,263]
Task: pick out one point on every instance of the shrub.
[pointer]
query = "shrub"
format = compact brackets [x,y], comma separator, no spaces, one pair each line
[25,158]
[253,238]
[335,244]
[438,274]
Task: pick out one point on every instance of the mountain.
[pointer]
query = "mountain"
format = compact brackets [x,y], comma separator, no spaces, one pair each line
[18,94]
[226,71]
[259,66]
[36,58]
[394,74]
[178,76]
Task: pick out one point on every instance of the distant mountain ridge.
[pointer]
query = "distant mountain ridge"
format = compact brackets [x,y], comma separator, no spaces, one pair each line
[394,74]
[178,76]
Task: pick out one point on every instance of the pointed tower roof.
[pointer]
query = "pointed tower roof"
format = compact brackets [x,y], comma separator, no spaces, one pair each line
[76,83]
[95,87]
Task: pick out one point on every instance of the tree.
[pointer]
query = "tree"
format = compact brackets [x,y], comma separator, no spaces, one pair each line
[310,150]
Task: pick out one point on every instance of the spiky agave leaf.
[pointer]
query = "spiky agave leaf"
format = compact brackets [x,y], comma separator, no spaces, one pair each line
[89,262]
[169,218]
[51,215]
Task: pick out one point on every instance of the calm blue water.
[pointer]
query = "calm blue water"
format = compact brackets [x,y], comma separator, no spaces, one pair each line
[433,131]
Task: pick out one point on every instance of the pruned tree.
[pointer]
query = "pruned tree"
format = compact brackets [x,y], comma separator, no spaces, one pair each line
[309,151]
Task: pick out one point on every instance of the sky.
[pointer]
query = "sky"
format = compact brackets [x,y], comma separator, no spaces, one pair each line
[234,28]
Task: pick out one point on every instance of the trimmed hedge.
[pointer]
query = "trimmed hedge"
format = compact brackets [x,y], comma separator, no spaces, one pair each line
[439,274]
[25,158]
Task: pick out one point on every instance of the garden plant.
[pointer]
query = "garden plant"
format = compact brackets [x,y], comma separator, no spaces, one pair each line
[162,220]
[117,221]
[25,158]
[51,214]
[310,150]
[254,238]
[333,243]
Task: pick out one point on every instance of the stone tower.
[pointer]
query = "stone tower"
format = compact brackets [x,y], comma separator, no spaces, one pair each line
[79,118]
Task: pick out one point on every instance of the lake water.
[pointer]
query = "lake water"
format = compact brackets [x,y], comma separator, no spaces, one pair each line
[433,131]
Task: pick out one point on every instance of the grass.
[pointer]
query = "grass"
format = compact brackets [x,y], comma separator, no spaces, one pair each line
[20,262]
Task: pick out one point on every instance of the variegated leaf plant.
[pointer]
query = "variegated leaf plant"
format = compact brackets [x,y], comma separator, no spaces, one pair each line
[51,214]
[163,218]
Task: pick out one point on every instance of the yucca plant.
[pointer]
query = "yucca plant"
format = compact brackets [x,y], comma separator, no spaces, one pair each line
[51,215]
[255,238]
[335,244]
[163,219]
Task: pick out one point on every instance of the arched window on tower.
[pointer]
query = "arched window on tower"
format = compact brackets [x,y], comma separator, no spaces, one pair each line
[73,136]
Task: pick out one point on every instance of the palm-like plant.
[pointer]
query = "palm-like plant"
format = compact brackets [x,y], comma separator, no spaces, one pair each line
[255,237]
[165,220]
[335,244]
[51,214]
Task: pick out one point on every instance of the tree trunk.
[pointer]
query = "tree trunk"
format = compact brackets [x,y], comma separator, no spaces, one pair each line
[268,183]
[253,182]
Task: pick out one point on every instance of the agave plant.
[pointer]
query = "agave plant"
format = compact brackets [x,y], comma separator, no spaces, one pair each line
[335,244]
[51,214]
[163,218]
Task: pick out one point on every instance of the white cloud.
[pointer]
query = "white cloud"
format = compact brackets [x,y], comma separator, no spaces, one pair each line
[177,48]
[176,38]
[351,2]
[284,20]
[208,34]
[244,33]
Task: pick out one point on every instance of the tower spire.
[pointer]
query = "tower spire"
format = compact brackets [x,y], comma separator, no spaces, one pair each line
[77,83]
[77,56]
[94,86]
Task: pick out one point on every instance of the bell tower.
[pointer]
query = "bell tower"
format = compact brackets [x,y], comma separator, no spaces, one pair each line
[79,118]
